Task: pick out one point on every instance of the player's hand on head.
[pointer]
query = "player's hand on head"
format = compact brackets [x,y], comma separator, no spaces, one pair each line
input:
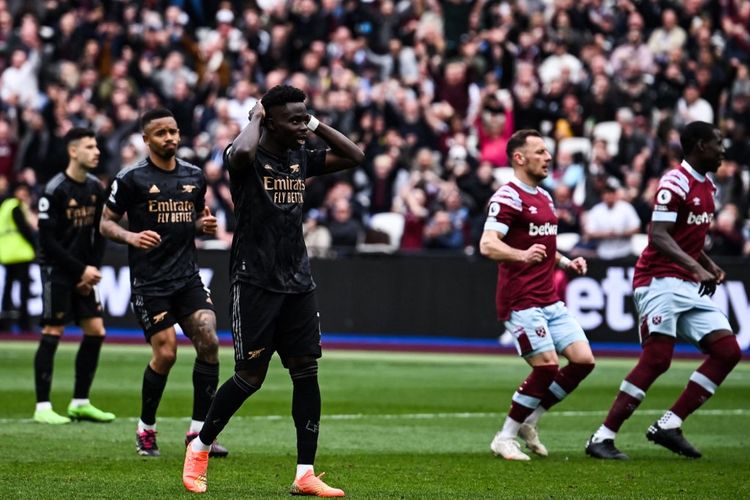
[91,276]
[258,109]
[146,240]
[207,224]
[535,254]
[579,266]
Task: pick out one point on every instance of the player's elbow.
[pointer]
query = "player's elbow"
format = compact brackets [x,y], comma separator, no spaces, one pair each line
[485,247]
[358,156]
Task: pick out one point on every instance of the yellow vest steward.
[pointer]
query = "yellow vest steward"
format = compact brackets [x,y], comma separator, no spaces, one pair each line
[14,249]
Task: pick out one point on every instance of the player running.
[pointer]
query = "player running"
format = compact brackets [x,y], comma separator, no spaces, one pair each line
[672,283]
[521,235]
[70,255]
[163,198]
[273,294]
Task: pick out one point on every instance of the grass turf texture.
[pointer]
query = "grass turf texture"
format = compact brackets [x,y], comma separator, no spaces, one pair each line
[394,426]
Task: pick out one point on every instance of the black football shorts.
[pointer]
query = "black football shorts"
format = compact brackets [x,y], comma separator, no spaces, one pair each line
[62,303]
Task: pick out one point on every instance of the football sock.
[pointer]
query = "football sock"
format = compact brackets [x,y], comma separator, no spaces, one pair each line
[87,360]
[603,433]
[195,426]
[670,421]
[527,398]
[654,360]
[565,382]
[76,402]
[43,365]
[306,411]
[302,470]
[723,356]
[153,388]
[43,405]
[228,400]
[205,381]
[145,427]
[198,445]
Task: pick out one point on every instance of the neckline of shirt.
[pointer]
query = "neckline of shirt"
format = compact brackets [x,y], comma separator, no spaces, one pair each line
[699,177]
[529,189]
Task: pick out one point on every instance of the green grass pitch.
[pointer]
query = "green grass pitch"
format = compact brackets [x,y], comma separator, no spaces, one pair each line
[394,426]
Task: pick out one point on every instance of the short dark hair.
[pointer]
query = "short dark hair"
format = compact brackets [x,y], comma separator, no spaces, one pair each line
[77,133]
[154,114]
[282,94]
[693,133]
[518,139]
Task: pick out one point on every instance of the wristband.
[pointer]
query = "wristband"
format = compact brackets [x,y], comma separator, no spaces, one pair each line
[564,262]
[313,124]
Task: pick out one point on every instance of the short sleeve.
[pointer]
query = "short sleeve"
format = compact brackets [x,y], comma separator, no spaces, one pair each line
[504,206]
[119,194]
[316,162]
[200,200]
[49,209]
[671,193]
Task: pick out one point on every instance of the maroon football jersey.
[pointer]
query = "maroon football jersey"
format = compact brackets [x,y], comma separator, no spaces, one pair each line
[524,215]
[686,198]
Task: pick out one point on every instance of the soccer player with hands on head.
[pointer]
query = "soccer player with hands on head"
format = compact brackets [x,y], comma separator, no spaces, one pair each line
[273,303]
[521,235]
[164,200]
[672,285]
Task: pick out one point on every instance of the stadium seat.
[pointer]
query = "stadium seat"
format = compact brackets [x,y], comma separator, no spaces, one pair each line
[551,145]
[575,145]
[638,243]
[610,132]
[566,241]
[503,175]
[390,223]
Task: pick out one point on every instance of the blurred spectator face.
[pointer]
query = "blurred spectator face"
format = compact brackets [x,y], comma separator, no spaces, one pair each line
[67,23]
[668,19]
[691,93]
[455,73]
[453,201]
[342,210]
[562,194]
[425,160]
[382,166]
[484,172]
[18,58]
[4,131]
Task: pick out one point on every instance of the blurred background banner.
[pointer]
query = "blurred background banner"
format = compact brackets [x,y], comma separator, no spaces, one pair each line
[433,295]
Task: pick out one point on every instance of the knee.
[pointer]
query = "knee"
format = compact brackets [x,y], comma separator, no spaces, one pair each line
[658,362]
[54,331]
[726,350]
[165,356]
[253,378]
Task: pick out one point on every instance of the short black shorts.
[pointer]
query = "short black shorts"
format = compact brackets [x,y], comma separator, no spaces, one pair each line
[62,303]
[265,322]
[157,313]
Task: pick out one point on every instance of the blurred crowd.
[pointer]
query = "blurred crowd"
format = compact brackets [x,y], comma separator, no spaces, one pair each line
[430,89]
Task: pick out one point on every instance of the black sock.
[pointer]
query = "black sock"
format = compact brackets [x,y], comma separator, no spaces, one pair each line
[87,360]
[153,388]
[228,400]
[306,411]
[205,380]
[43,364]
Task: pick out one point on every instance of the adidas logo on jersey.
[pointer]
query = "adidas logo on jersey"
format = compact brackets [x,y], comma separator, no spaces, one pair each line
[698,219]
[545,229]
[153,189]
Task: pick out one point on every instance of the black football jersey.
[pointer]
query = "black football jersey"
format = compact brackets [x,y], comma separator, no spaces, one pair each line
[268,249]
[69,214]
[168,202]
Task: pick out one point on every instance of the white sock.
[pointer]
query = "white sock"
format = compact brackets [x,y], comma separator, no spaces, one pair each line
[143,427]
[603,433]
[670,421]
[535,415]
[44,405]
[198,445]
[75,403]
[302,469]
[195,426]
[510,428]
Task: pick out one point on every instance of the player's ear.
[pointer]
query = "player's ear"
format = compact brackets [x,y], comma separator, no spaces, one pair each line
[268,123]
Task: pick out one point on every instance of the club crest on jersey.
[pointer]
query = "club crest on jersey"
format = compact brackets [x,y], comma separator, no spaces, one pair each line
[533,210]
[294,168]
[267,167]
[153,189]
[545,229]
[188,188]
[698,219]
[656,320]
[160,317]
[541,332]
[255,354]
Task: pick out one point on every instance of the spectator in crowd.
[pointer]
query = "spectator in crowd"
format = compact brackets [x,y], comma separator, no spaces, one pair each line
[345,230]
[611,223]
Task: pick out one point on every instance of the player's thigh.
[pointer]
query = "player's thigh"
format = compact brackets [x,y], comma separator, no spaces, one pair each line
[194,309]
[254,313]
[153,314]
[56,302]
[658,310]
[298,332]
[702,319]
[530,332]
[566,331]
[87,311]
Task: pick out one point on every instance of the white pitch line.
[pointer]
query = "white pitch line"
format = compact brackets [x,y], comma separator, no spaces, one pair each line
[422,416]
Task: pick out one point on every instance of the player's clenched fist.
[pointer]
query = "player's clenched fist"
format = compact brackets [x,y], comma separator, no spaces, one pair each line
[578,266]
[145,240]
[207,223]
[534,254]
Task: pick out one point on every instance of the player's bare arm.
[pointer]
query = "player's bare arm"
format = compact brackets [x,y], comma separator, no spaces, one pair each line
[110,228]
[493,247]
[713,268]
[577,265]
[242,152]
[206,223]
[200,327]
[344,154]
[661,239]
